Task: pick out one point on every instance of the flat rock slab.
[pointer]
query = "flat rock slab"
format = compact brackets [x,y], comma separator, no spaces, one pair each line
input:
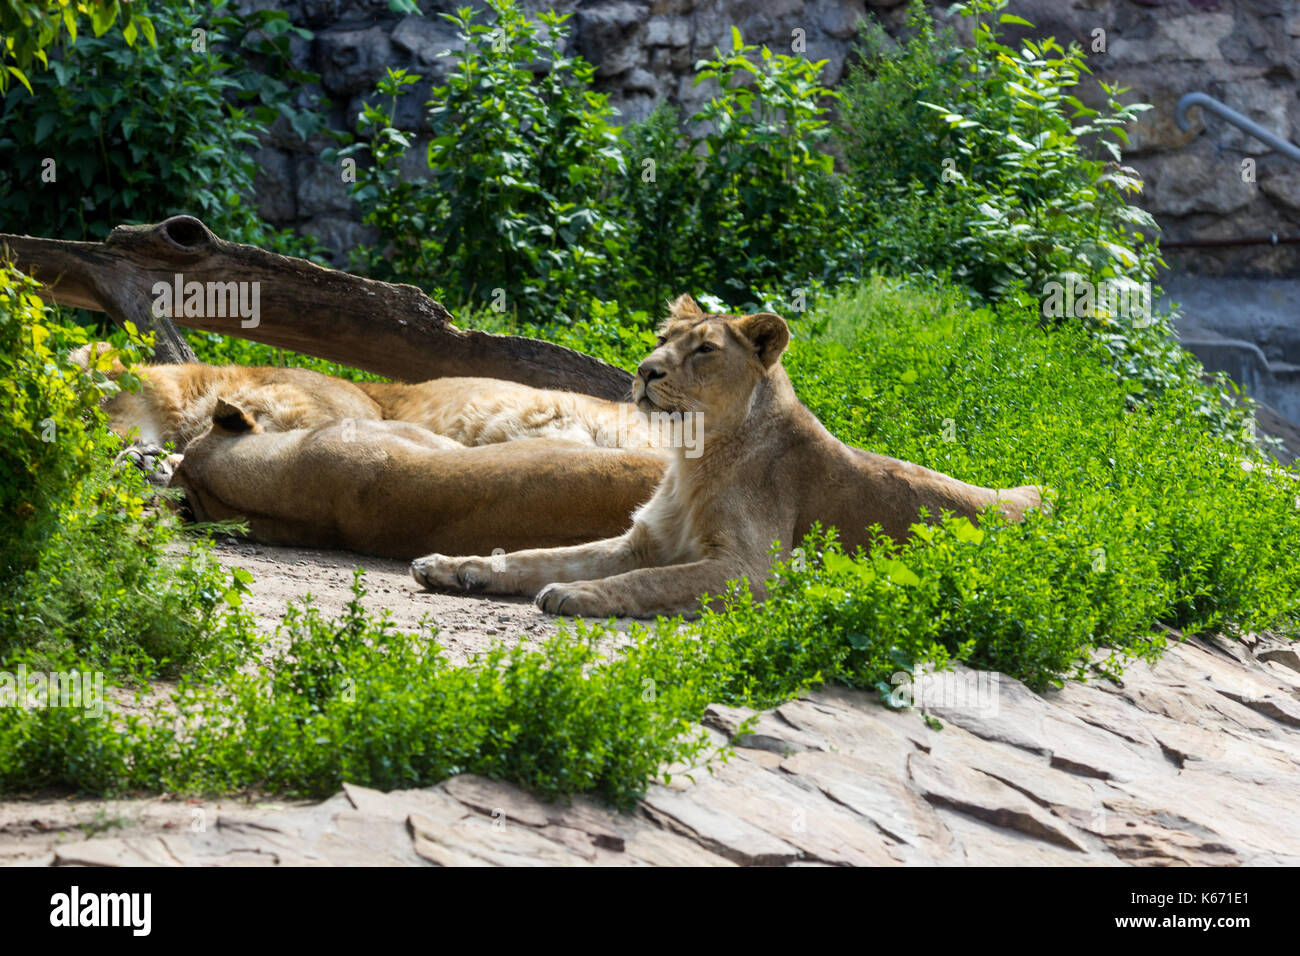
[1192,761]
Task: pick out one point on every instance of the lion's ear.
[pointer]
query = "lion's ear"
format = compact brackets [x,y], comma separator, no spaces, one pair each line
[768,332]
[231,418]
[684,307]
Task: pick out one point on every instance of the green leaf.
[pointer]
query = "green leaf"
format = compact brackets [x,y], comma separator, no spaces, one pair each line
[22,78]
[44,123]
[900,573]
[963,530]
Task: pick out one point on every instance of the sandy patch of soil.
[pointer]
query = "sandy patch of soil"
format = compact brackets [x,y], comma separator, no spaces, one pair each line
[466,624]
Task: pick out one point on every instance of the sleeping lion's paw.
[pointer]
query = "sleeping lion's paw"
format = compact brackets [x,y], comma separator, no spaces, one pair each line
[155,461]
[439,571]
[578,599]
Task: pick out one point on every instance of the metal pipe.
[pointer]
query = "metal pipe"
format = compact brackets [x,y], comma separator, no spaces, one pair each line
[1236,119]
[1273,240]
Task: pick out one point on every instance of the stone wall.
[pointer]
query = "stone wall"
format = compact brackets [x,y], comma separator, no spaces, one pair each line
[1246,53]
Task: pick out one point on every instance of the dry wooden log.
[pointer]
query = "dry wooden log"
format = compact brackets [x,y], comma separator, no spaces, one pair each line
[392,330]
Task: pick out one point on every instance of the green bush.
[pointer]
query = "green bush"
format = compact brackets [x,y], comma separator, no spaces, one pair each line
[158,132]
[659,206]
[535,193]
[83,561]
[520,163]
[982,165]
[32,27]
[773,206]
[1156,519]
[354,700]
[995,138]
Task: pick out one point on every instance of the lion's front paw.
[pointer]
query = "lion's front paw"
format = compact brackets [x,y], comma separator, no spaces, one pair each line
[440,571]
[577,599]
[156,463]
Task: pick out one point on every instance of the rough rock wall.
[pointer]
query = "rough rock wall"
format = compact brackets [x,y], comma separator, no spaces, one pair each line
[1246,53]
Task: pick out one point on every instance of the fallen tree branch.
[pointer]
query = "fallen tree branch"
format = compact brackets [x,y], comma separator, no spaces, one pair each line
[389,329]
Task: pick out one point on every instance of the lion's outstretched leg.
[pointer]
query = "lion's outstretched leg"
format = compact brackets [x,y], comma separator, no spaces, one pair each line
[645,592]
[526,572]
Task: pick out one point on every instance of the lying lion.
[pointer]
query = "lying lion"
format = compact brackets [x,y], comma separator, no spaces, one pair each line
[768,470]
[176,403]
[396,489]
[456,465]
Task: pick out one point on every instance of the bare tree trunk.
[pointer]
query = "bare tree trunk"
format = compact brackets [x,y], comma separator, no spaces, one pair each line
[392,330]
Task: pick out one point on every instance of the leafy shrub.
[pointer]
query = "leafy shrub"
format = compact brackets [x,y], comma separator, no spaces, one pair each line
[83,564]
[160,136]
[769,195]
[995,138]
[974,163]
[519,163]
[659,206]
[356,700]
[535,193]
[32,27]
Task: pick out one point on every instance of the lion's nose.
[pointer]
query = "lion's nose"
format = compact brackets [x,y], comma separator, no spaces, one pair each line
[649,371]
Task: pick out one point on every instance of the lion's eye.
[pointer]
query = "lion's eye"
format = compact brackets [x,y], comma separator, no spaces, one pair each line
[660,341]
[705,347]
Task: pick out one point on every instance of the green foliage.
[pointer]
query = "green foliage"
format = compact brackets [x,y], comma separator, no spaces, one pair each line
[83,564]
[158,132]
[535,193]
[659,208]
[519,163]
[766,189]
[1156,519]
[995,137]
[980,164]
[355,700]
[29,28]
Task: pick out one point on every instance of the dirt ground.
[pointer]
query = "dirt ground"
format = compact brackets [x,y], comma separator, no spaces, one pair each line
[467,624]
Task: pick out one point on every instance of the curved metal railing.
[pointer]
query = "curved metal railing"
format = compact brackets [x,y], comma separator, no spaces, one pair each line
[1243,123]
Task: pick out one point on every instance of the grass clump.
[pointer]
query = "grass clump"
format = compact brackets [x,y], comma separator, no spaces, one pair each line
[84,565]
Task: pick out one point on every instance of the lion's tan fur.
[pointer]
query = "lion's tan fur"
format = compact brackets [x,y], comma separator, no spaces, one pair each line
[175,404]
[768,471]
[457,465]
[396,489]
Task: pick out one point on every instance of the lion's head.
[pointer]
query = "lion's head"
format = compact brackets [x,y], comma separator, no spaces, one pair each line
[708,364]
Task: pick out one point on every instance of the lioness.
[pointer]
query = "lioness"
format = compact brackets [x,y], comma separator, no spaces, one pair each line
[176,404]
[768,470]
[457,465]
[398,490]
